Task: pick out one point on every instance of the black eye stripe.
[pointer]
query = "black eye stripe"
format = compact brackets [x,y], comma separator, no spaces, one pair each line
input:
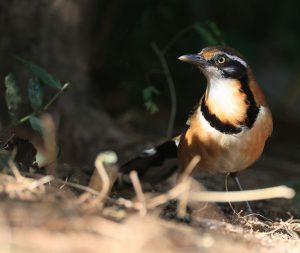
[233,69]
[236,64]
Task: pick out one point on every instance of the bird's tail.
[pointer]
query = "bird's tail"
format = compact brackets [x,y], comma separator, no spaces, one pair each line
[153,165]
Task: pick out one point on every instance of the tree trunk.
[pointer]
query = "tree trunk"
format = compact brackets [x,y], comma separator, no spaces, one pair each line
[57,35]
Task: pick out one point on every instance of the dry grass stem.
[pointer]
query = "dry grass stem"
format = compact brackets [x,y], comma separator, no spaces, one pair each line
[183,198]
[184,179]
[107,163]
[23,188]
[191,166]
[164,198]
[267,228]
[63,183]
[126,203]
[101,158]
[139,191]
[15,170]
[39,182]
[77,186]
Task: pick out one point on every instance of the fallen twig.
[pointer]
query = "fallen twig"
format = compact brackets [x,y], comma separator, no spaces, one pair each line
[249,195]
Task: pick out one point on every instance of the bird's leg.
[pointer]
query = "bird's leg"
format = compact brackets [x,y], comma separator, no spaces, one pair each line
[238,184]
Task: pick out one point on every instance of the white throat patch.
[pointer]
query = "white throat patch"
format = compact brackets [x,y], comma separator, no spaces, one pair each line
[224,93]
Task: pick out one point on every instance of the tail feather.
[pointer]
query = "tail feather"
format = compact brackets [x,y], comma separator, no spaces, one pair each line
[153,165]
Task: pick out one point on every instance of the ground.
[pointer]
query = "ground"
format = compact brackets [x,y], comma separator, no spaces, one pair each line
[42,214]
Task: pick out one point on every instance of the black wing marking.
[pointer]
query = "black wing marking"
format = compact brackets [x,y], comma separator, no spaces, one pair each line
[154,165]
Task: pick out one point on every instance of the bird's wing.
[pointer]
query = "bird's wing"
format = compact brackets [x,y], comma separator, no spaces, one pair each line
[154,165]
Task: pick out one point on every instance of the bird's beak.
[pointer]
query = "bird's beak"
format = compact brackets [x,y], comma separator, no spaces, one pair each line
[195,59]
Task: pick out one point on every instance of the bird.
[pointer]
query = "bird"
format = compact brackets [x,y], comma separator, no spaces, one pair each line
[228,128]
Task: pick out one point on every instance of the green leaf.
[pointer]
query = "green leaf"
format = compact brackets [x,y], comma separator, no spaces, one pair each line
[149,91]
[35,94]
[4,158]
[12,96]
[206,34]
[151,107]
[148,94]
[41,74]
[36,124]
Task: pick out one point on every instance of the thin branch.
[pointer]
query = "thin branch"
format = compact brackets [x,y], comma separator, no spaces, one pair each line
[249,195]
[233,196]
[171,85]
[55,96]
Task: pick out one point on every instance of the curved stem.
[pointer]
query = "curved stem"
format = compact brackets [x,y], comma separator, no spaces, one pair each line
[171,85]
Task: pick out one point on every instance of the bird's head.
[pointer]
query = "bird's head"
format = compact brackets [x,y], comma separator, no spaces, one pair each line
[218,62]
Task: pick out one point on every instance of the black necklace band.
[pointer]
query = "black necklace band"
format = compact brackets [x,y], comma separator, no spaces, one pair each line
[227,128]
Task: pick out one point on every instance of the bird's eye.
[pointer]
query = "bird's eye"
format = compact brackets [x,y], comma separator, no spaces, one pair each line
[221,59]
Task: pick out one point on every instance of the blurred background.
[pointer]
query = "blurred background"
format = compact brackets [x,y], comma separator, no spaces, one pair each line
[105,50]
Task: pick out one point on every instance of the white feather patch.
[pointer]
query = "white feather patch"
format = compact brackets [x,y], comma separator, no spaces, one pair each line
[222,92]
